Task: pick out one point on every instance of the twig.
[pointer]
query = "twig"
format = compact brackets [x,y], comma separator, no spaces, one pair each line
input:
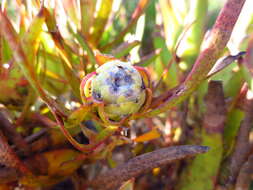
[213,47]
[140,164]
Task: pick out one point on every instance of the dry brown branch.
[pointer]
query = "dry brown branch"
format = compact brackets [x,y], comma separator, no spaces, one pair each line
[140,164]
[244,177]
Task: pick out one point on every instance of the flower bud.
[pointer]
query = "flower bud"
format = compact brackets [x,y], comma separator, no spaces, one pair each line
[120,86]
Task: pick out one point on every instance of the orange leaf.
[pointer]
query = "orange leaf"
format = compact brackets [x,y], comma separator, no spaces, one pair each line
[153,134]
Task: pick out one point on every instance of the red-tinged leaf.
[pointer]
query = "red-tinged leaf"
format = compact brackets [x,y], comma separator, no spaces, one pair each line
[24,63]
[151,135]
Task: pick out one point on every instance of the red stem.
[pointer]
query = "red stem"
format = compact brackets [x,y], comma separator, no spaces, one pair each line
[213,47]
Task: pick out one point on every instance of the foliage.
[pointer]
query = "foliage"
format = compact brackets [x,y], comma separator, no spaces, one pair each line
[197,81]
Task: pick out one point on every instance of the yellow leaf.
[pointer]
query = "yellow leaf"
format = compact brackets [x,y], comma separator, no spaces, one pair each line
[128,185]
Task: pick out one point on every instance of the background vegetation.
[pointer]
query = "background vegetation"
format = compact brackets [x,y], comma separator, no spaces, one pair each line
[201,74]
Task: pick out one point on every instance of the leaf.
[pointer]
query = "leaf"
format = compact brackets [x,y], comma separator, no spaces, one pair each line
[224,62]
[234,119]
[70,6]
[103,58]
[52,167]
[148,59]
[172,23]
[24,61]
[151,135]
[195,19]
[84,44]
[101,20]
[31,39]
[161,63]
[135,16]
[207,165]
[61,47]
[128,185]
[77,116]
[87,8]
[124,48]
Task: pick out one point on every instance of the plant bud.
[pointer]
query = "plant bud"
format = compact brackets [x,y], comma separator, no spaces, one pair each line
[120,86]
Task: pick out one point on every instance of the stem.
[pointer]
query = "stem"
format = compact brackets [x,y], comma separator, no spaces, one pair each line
[213,47]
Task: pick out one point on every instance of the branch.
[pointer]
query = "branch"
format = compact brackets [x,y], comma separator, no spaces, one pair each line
[213,47]
[242,146]
[143,163]
[244,177]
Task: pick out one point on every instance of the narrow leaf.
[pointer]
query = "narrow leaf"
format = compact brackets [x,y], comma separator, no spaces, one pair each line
[151,135]
[101,20]
[143,163]
[223,63]
[135,16]
[87,8]
[124,49]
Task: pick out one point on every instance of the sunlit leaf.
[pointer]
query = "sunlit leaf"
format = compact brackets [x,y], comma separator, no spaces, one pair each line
[151,135]
[128,185]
